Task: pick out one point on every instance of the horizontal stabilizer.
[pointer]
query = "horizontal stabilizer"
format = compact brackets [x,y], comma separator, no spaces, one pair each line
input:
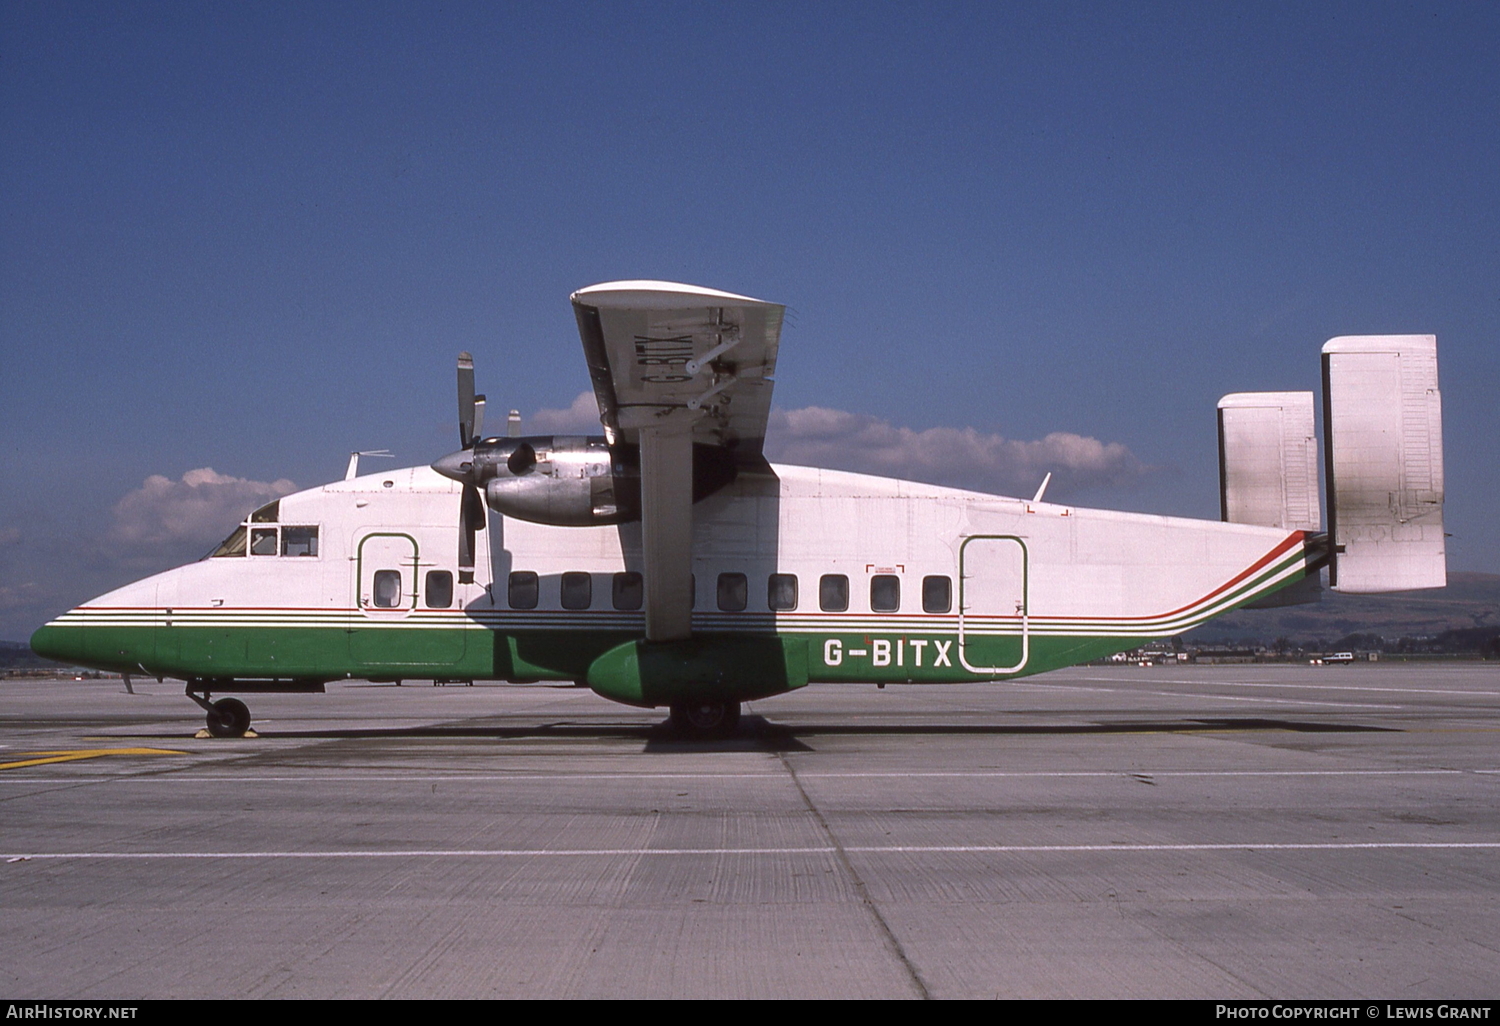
[1383,432]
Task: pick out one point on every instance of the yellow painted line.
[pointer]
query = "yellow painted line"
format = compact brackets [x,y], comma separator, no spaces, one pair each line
[73,755]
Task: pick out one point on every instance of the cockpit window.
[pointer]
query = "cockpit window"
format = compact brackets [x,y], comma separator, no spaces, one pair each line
[299,541]
[263,541]
[267,514]
[234,545]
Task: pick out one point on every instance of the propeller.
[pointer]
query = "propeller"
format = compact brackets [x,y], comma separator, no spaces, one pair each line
[470,406]
[472,515]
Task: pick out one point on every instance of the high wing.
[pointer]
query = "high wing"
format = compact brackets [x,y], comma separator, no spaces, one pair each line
[673,365]
[659,352]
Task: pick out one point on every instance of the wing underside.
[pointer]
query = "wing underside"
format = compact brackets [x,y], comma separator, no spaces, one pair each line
[665,354]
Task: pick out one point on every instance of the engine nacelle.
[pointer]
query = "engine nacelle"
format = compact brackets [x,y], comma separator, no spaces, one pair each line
[565,480]
[578,481]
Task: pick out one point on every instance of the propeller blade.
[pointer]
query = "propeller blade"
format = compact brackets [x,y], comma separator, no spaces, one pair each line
[465,400]
[471,519]
[466,557]
[472,514]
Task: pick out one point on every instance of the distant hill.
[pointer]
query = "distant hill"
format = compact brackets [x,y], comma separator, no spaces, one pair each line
[17,655]
[1470,601]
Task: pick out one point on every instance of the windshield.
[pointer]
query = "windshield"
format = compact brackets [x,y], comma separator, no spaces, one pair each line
[234,545]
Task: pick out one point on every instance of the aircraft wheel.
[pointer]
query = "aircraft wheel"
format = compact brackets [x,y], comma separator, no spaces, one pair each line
[230,718]
[705,719]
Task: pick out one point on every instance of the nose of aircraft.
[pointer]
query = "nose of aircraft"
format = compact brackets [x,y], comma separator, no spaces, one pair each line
[456,465]
[58,643]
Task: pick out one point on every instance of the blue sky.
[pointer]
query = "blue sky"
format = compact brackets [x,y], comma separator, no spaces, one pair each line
[253,237]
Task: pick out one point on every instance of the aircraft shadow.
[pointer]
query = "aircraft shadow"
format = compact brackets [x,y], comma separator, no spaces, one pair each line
[756,733]
[1193,726]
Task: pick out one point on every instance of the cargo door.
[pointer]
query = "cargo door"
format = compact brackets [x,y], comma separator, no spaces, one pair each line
[993,620]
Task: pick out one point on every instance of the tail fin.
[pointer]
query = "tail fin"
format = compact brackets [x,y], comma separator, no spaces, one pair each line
[1383,438]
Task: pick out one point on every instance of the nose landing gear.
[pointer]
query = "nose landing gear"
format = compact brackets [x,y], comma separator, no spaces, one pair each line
[228,717]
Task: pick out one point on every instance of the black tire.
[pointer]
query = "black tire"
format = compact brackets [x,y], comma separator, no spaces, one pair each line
[230,718]
[705,719]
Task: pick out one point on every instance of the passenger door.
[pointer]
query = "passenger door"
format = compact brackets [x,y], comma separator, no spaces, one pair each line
[392,628]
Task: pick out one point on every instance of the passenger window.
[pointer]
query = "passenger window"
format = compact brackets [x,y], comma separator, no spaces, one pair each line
[524,589]
[627,592]
[439,589]
[577,590]
[299,541]
[937,594]
[263,541]
[781,591]
[734,592]
[234,545]
[387,589]
[833,593]
[885,593]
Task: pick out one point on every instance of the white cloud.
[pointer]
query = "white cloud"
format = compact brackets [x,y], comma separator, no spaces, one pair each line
[960,457]
[184,517]
[580,418]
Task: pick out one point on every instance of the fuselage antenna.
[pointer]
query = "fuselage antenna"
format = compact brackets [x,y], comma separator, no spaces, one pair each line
[353,470]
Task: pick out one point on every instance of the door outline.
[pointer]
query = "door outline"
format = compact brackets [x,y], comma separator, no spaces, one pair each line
[1025,609]
[381,612]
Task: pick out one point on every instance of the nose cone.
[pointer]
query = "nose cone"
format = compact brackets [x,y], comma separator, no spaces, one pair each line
[458,466]
[63,644]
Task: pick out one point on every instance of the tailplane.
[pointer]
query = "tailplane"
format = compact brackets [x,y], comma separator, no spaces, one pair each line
[1382,464]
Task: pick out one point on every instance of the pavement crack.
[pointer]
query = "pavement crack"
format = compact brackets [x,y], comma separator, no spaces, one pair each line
[891,943]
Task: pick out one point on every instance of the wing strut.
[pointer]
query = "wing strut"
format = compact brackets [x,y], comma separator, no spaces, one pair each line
[667,530]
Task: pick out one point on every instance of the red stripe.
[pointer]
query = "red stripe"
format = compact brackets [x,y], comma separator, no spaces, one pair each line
[1295,538]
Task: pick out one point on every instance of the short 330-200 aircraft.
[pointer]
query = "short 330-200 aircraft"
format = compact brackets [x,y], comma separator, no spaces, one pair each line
[666,563]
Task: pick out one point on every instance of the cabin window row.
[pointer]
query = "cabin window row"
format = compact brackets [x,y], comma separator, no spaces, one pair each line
[732,592]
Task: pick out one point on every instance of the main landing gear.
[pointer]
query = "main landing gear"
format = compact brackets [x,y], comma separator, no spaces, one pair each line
[704,720]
